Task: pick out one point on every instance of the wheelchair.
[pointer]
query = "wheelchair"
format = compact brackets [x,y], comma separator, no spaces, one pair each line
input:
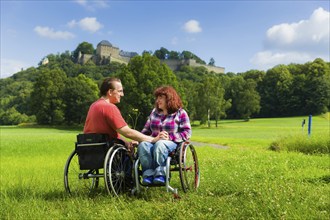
[96,156]
[184,160]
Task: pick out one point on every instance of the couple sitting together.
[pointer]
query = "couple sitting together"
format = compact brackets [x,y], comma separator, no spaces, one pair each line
[167,125]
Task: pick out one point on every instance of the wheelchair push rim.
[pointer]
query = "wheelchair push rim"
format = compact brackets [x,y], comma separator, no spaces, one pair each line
[78,181]
[189,168]
[118,171]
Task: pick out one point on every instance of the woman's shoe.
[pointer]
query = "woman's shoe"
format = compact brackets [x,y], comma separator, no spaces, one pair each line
[160,180]
[147,180]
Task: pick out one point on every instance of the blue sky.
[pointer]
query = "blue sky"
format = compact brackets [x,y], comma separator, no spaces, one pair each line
[239,35]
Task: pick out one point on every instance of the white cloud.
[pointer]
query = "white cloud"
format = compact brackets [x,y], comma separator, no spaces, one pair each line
[50,33]
[297,42]
[9,67]
[192,26]
[174,41]
[82,2]
[92,5]
[89,24]
[312,32]
[267,59]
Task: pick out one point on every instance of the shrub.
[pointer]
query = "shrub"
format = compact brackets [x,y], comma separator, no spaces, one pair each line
[13,117]
[315,144]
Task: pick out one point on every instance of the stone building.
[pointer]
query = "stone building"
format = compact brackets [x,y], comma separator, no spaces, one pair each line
[106,53]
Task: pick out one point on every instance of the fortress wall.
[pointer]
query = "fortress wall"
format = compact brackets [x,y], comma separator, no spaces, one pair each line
[85,58]
[215,69]
[176,64]
[173,64]
[119,60]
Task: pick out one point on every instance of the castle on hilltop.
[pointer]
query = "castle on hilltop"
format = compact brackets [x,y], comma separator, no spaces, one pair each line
[106,53]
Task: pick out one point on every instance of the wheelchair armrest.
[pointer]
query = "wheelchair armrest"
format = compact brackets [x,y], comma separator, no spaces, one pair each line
[95,139]
[92,138]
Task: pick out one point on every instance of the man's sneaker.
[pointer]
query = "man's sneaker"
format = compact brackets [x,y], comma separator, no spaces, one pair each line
[160,180]
[147,180]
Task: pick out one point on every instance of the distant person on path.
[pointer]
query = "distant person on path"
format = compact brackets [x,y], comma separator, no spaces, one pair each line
[171,123]
[104,116]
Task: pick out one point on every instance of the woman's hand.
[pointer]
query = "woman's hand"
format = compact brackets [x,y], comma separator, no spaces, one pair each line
[164,135]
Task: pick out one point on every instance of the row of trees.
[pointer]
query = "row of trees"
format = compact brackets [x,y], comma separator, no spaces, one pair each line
[162,53]
[61,91]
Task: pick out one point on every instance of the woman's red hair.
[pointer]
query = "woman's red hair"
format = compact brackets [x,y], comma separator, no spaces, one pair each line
[173,100]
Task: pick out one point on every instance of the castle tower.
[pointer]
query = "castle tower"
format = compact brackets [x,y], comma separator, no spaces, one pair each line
[106,50]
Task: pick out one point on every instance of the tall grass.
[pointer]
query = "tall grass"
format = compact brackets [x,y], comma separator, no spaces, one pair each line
[245,181]
[316,144]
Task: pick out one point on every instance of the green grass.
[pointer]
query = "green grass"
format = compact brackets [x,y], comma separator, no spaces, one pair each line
[259,133]
[246,181]
[316,144]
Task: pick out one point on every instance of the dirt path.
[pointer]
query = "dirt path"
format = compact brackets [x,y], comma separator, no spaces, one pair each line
[199,144]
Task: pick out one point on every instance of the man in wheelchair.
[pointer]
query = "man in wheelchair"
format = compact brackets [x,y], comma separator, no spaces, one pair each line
[104,116]
[168,122]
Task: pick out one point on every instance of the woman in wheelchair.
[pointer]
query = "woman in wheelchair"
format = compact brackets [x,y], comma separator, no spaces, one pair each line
[168,121]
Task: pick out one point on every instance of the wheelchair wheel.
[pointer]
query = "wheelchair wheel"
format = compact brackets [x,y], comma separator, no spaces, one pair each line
[188,168]
[78,181]
[118,170]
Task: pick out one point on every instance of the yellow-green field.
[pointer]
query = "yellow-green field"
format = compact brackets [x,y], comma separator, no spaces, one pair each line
[244,181]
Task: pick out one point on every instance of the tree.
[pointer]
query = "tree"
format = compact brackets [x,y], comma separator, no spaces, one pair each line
[78,94]
[220,103]
[248,100]
[276,91]
[192,99]
[211,101]
[212,62]
[189,55]
[142,76]
[174,55]
[298,98]
[84,48]
[161,53]
[317,87]
[245,98]
[46,100]
[12,117]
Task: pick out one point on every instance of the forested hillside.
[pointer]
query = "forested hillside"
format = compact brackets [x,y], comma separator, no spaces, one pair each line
[61,91]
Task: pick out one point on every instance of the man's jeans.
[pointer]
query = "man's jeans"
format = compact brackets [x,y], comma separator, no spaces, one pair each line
[153,157]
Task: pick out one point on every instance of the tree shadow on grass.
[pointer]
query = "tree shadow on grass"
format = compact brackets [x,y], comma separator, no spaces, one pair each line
[63,195]
[21,194]
[323,179]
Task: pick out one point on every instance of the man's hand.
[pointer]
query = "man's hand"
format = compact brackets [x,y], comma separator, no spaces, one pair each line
[131,145]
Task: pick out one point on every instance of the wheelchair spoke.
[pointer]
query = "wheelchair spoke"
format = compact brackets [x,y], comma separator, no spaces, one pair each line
[120,166]
[78,181]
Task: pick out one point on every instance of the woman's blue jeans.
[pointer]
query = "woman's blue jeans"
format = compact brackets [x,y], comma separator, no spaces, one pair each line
[153,157]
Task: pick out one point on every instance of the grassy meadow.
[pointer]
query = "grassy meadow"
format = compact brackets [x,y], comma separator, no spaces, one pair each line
[244,181]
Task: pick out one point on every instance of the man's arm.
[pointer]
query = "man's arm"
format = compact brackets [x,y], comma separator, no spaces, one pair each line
[136,135]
